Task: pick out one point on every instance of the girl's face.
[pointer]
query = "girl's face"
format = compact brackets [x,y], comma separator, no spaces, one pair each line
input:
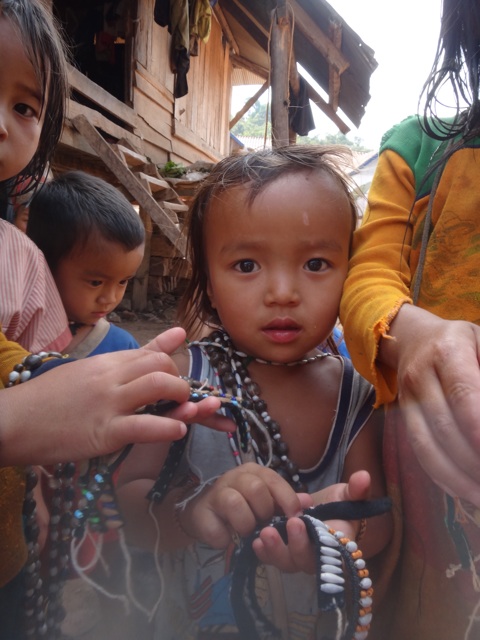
[21,117]
[276,268]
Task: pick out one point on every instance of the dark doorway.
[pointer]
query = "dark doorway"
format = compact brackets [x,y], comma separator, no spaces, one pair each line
[98,33]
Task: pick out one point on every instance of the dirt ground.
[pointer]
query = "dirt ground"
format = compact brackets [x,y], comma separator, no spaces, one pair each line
[145,330]
[146,325]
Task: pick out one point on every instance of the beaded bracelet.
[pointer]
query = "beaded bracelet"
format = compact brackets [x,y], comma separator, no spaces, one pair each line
[339,561]
[23,371]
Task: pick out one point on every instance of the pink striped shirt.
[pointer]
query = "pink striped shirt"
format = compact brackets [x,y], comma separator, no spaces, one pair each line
[31,312]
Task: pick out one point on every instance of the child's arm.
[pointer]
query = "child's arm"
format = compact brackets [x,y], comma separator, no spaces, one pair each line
[364,455]
[137,476]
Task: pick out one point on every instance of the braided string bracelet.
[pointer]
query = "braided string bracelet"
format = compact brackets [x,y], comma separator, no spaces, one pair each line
[338,561]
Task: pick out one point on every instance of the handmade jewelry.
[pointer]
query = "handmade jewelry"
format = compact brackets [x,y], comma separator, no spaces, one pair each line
[23,371]
[339,562]
[232,373]
[43,610]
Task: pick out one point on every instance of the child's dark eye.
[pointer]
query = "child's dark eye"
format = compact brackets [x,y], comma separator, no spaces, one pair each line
[25,110]
[96,283]
[246,266]
[316,264]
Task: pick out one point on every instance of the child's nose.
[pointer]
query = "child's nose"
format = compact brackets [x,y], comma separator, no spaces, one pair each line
[107,296]
[282,290]
[3,126]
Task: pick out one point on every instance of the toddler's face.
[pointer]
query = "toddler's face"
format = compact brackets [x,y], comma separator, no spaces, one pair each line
[277,266]
[21,117]
[92,281]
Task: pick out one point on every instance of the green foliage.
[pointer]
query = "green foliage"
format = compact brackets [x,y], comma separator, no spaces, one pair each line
[253,122]
[253,125]
[172,170]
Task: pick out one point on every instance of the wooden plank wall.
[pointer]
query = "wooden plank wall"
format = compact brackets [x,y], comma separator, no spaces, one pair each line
[196,124]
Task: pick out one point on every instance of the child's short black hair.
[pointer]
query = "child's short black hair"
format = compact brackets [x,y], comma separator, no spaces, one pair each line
[70,208]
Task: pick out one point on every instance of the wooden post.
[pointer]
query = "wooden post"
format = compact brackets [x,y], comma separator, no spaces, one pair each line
[280,62]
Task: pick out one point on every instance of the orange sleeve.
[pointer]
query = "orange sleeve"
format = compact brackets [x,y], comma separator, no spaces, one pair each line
[378,283]
[11,354]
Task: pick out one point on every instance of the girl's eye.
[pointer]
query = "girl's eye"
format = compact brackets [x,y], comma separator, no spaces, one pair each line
[96,283]
[316,264]
[25,110]
[123,283]
[246,266]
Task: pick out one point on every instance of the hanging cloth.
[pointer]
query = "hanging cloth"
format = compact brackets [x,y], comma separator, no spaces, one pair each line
[176,18]
[300,114]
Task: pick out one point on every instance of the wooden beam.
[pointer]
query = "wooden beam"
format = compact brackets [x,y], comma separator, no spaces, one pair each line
[130,182]
[252,18]
[334,79]
[100,97]
[326,108]
[250,102]
[280,61]
[319,39]
[140,281]
[222,21]
[238,61]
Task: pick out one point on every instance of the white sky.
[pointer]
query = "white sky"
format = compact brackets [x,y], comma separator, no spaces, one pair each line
[404,37]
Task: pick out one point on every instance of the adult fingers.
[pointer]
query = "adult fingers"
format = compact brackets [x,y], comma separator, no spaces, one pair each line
[440,461]
[150,388]
[168,341]
[140,429]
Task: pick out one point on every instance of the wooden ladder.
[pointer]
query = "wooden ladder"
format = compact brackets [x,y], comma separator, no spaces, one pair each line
[158,202]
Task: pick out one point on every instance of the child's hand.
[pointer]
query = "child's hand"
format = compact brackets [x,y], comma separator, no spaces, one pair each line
[237,502]
[298,554]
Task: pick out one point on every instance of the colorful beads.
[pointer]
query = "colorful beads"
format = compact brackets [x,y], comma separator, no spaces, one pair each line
[23,371]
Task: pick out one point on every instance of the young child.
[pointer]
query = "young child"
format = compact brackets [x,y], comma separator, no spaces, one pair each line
[75,416]
[269,236]
[93,241]
[32,53]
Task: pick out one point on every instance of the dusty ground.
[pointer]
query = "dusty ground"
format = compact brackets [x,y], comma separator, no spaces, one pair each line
[145,330]
[144,326]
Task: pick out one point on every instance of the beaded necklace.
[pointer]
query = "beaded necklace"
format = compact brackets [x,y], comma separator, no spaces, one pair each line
[43,611]
[231,370]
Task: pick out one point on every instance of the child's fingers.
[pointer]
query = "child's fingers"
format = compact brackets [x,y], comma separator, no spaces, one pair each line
[296,555]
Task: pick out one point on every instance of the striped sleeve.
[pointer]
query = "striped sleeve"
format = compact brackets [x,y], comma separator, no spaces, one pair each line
[31,312]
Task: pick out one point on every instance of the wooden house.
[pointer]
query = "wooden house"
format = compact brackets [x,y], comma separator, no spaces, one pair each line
[151,82]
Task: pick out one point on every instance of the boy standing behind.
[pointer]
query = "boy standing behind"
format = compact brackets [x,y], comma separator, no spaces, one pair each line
[93,241]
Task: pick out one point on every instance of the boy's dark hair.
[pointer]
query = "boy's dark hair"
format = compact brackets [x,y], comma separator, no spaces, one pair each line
[46,50]
[70,208]
[254,171]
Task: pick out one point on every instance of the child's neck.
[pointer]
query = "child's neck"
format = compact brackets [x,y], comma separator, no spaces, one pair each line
[311,356]
[79,331]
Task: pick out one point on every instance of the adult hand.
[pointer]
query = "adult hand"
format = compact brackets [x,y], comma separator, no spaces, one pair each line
[298,554]
[438,372]
[87,408]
